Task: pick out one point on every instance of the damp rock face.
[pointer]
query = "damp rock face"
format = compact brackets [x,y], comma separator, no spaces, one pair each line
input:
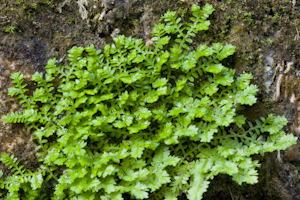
[292,153]
[14,139]
[266,34]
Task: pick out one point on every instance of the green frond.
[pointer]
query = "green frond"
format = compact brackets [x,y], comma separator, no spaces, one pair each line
[150,121]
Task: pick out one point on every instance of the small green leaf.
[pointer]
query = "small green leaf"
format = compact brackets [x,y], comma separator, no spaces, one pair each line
[226,51]
[159,82]
[214,68]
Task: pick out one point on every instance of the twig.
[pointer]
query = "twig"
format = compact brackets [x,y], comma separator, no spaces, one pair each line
[230,193]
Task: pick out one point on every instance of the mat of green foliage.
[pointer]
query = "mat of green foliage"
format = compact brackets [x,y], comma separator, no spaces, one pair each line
[149,122]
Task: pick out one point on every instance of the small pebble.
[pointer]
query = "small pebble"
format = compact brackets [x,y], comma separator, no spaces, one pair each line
[292,153]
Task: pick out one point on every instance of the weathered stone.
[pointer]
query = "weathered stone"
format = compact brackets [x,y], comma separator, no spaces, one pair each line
[292,153]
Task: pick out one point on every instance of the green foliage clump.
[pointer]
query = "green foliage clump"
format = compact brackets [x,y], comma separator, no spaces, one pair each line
[143,121]
[10,29]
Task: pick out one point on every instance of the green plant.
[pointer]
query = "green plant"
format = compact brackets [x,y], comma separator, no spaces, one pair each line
[49,3]
[10,29]
[70,20]
[269,41]
[7,8]
[19,2]
[146,121]
[237,30]
[248,17]
[27,180]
